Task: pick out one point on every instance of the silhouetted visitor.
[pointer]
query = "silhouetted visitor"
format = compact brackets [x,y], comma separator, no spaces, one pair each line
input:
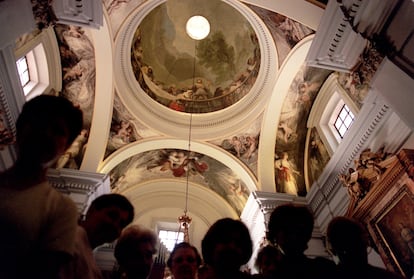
[290,229]
[226,247]
[106,217]
[267,261]
[38,223]
[134,252]
[349,241]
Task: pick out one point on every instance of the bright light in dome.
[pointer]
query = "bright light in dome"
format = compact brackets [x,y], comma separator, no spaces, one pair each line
[197,27]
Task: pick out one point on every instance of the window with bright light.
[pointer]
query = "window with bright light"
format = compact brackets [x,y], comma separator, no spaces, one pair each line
[344,120]
[37,61]
[170,238]
[333,113]
[23,70]
[27,67]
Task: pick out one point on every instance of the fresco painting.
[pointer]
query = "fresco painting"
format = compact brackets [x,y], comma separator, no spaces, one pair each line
[357,83]
[318,157]
[292,131]
[175,163]
[79,84]
[195,76]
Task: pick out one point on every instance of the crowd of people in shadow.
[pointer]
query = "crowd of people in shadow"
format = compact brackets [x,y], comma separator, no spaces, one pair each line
[44,236]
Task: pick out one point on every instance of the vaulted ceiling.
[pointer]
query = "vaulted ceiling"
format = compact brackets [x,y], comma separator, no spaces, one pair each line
[168,117]
[250,96]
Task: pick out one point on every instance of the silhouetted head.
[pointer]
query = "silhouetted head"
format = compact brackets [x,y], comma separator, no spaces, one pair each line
[227,245]
[107,215]
[45,128]
[348,239]
[290,227]
[267,260]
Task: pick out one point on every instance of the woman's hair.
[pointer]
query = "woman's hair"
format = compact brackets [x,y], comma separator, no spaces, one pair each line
[224,231]
[184,245]
[126,246]
[268,251]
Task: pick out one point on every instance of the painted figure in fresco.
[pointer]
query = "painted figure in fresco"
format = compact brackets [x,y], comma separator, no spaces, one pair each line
[286,175]
[288,132]
[251,144]
[115,4]
[200,91]
[237,145]
[180,163]
[68,159]
[121,134]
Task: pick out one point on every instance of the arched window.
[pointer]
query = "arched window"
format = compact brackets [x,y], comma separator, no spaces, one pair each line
[38,63]
[332,113]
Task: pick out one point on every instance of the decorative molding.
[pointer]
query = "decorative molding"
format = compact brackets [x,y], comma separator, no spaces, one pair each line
[346,28]
[336,46]
[256,215]
[395,85]
[11,101]
[82,187]
[374,117]
[79,12]
[16,19]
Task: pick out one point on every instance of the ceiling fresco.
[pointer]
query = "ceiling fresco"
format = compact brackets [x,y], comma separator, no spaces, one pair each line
[292,130]
[167,163]
[78,68]
[181,65]
[190,75]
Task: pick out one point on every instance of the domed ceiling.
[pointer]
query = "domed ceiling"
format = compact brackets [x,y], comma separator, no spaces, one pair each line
[237,100]
[196,76]
[223,79]
[164,77]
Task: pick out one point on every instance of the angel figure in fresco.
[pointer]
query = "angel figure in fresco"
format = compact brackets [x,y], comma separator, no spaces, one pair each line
[237,145]
[285,174]
[180,163]
[114,4]
[176,162]
[121,134]
[288,132]
[251,145]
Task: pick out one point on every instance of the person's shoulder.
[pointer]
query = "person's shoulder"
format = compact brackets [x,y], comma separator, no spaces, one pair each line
[60,203]
[321,261]
[321,267]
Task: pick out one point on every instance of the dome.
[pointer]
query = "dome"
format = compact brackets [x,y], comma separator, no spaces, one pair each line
[197,76]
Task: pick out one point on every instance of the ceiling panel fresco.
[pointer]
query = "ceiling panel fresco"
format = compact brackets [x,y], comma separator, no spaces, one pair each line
[189,75]
[172,71]
[177,164]
[292,130]
[173,74]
